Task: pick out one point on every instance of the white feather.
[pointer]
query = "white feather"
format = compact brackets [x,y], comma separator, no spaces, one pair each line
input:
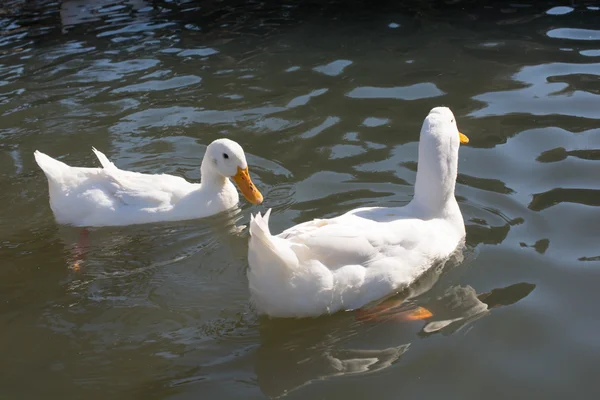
[343,263]
[111,196]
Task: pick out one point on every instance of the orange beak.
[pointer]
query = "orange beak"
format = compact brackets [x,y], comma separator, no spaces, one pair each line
[463,138]
[250,192]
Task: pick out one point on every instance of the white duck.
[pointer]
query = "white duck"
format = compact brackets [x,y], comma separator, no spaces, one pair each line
[109,196]
[343,263]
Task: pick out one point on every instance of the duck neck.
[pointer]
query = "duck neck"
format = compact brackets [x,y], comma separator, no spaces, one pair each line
[210,177]
[436,178]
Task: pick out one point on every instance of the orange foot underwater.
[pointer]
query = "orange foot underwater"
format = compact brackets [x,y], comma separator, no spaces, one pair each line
[389,310]
[393,309]
[80,248]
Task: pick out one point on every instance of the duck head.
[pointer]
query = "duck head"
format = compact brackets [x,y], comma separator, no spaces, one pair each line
[227,159]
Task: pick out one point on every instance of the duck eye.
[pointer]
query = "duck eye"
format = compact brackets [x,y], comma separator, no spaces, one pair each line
[225,156]
[452,120]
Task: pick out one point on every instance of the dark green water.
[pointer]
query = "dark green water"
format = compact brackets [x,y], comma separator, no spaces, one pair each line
[327,99]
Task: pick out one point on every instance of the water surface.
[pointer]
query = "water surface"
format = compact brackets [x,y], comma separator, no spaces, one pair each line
[327,100]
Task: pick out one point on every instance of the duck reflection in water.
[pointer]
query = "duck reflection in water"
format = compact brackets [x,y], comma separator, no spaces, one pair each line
[297,352]
[448,313]
[226,227]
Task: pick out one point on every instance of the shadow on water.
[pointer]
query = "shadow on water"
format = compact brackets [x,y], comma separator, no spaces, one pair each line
[295,353]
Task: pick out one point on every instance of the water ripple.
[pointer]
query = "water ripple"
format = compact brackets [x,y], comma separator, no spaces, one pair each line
[542,96]
[412,92]
[334,68]
[182,116]
[157,85]
[106,70]
[574,34]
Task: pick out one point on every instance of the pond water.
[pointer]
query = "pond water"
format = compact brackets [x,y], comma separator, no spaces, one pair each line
[327,99]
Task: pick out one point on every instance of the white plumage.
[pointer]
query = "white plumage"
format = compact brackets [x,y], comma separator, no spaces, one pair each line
[343,263]
[110,196]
